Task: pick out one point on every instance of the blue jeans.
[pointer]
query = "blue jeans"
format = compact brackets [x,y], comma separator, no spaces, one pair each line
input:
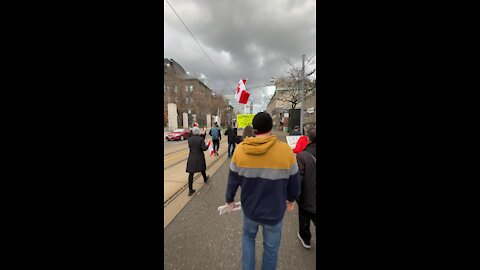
[271,244]
[231,145]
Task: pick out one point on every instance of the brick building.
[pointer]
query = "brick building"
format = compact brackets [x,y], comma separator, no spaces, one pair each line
[189,94]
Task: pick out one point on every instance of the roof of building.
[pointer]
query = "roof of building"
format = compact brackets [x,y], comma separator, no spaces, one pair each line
[174,68]
[170,66]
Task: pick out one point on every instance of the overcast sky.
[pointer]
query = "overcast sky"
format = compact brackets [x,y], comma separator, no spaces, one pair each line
[244,39]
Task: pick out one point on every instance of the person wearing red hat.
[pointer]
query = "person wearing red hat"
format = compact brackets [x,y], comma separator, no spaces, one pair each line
[302,141]
[301,144]
[307,201]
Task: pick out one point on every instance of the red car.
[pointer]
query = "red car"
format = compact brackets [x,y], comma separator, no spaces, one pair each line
[178,134]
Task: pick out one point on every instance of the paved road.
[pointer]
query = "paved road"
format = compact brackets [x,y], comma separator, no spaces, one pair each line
[198,238]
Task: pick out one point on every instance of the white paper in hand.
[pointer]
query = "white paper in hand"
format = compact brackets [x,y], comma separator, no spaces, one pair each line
[227,209]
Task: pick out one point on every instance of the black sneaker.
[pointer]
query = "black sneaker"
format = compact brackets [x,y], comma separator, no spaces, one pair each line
[190,192]
[205,180]
[305,244]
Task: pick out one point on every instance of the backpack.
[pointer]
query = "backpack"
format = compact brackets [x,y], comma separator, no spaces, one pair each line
[238,139]
[215,132]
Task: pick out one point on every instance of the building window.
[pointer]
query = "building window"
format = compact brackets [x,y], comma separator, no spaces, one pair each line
[190,87]
[186,88]
[164,88]
[175,87]
[187,100]
[168,88]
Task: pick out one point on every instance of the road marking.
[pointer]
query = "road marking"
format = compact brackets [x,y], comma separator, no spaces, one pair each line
[165,160]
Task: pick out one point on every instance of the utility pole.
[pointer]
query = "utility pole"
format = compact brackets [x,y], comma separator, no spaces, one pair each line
[302,90]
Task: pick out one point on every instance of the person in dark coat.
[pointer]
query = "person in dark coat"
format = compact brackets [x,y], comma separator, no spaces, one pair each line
[308,196]
[231,134]
[196,158]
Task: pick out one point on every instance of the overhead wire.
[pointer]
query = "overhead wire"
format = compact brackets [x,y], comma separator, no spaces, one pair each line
[198,43]
[208,57]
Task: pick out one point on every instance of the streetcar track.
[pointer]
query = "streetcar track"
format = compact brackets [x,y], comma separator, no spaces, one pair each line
[176,151]
[185,186]
[182,149]
[175,157]
[176,163]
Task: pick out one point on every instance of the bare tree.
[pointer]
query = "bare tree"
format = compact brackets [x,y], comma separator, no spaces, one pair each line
[289,86]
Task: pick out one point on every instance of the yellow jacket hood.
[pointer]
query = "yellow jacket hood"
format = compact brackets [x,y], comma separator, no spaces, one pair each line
[258,146]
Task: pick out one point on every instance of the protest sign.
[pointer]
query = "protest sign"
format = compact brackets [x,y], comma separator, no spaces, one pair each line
[292,141]
[244,120]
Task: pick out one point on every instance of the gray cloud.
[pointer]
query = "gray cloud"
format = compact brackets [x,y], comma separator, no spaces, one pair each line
[245,39]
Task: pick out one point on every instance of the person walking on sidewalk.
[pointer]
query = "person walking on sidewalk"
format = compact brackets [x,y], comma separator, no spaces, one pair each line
[231,134]
[196,158]
[216,137]
[308,196]
[267,172]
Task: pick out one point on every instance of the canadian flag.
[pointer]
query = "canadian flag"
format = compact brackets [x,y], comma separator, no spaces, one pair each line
[241,95]
[210,148]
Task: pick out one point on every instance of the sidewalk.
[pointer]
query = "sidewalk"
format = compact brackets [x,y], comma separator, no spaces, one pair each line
[199,238]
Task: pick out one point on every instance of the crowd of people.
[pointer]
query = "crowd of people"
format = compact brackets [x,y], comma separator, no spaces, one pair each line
[271,175]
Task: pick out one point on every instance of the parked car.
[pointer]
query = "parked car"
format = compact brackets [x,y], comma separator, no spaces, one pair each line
[178,134]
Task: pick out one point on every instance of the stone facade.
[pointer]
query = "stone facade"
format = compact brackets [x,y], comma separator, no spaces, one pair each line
[276,107]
